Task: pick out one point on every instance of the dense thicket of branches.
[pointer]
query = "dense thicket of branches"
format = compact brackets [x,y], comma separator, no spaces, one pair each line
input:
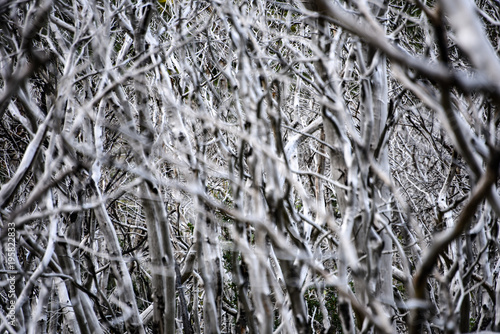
[227,166]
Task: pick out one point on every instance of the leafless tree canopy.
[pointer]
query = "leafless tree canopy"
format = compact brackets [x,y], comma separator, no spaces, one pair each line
[233,166]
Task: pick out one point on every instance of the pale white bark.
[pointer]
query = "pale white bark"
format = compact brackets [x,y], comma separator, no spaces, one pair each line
[472,39]
[7,189]
[172,130]
[126,294]
[70,325]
